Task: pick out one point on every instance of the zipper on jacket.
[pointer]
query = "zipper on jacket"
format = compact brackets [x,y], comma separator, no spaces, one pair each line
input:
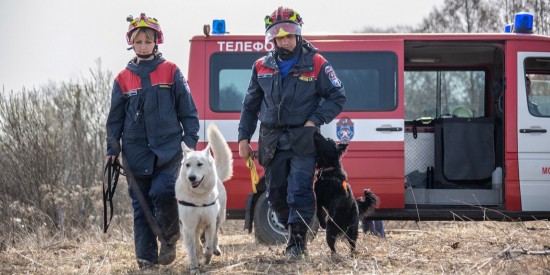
[139,111]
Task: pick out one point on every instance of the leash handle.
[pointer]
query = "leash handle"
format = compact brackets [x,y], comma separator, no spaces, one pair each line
[253,173]
[111,174]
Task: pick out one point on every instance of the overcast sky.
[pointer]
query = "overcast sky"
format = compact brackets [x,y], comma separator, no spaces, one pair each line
[60,40]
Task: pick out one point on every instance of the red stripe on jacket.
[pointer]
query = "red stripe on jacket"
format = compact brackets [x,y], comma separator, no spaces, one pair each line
[164,74]
[128,81]
[261,69]
[318,62]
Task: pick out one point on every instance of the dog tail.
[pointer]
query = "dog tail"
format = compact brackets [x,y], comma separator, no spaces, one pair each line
[223,157]
[367,204]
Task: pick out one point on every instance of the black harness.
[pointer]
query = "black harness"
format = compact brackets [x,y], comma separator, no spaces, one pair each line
[111,173]
[184,203]
[323,170]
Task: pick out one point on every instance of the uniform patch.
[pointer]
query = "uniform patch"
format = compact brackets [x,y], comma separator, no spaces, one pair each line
[165,86]
[186,85]
[344,129]
[332,76]
[306,78]
[132,93]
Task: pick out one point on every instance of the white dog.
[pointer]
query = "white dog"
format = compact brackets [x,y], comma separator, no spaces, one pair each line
[202,198]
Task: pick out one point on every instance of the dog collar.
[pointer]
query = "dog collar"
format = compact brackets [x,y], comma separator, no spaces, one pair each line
[184,203]
[325,169]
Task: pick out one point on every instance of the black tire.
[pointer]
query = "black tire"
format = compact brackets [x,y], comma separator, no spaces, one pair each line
[268,230]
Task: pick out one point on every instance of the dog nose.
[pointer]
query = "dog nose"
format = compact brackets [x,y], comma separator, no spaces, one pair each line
[192,178]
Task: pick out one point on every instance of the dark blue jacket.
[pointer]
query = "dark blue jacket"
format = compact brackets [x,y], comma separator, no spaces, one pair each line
[151,106]
[292,103]
[311,91]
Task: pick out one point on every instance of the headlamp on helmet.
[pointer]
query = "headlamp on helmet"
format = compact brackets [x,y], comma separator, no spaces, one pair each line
[143,22]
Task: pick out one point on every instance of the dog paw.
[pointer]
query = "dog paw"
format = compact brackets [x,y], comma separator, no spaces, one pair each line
[205,260]
[194,271]
[217,251]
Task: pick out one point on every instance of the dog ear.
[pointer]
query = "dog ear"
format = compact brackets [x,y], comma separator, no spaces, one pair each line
[343,146]
[185,148]
[206,150]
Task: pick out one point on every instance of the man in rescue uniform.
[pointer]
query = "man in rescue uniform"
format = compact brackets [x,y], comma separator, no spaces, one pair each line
[293,90]
[151,112]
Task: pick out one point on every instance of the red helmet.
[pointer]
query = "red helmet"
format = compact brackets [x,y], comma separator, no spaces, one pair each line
[283,21]
[143,22]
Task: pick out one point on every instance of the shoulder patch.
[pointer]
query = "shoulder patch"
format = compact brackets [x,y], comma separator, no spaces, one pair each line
[185,83]
[332,77]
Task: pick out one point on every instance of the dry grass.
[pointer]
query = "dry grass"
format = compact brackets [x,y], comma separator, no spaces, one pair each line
[410,248]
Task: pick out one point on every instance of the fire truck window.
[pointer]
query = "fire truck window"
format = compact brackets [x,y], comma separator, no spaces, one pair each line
[229,77]
[538,94]
[440,93]
[233,86]
[537,83]
[368,77]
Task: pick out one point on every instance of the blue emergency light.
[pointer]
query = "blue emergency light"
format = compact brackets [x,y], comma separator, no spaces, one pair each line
[523,23]
[218,26]
[508,28]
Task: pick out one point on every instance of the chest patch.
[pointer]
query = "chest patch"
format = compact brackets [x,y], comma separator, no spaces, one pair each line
[306,78]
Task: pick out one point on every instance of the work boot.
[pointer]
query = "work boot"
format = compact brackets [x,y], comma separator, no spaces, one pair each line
[167,252]
[144,264]
[296,248]
[167,219]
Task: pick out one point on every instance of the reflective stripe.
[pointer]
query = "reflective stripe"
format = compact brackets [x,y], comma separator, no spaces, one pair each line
[363,130]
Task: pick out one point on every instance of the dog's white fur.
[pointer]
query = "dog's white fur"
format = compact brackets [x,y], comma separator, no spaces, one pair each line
[200,182]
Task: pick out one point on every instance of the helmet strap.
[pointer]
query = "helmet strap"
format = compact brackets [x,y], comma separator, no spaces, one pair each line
[145,56]
[155,49]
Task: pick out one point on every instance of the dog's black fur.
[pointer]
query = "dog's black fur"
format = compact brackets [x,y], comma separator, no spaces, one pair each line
[337,209]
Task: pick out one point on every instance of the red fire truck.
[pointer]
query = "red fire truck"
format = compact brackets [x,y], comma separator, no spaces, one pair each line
[439,126]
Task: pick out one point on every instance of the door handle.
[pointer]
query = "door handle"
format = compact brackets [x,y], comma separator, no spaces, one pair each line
[389,129]
[526,131]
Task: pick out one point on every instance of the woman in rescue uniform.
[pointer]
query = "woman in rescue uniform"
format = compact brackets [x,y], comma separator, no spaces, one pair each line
[151,113]
[285,93]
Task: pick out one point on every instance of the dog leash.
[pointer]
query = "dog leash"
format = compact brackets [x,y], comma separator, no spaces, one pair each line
[111,174]
[253,173]
[139,196]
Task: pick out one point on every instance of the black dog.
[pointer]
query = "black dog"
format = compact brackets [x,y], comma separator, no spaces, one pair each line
[337,210]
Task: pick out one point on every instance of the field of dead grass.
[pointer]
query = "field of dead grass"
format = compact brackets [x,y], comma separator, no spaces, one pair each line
[454,247]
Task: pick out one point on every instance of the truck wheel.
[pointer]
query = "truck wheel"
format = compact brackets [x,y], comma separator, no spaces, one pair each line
[268,230]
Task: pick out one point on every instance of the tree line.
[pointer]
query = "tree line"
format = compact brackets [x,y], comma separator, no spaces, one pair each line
[477,16]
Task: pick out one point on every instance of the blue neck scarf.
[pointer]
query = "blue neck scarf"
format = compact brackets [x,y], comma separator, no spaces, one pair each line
[286,65]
